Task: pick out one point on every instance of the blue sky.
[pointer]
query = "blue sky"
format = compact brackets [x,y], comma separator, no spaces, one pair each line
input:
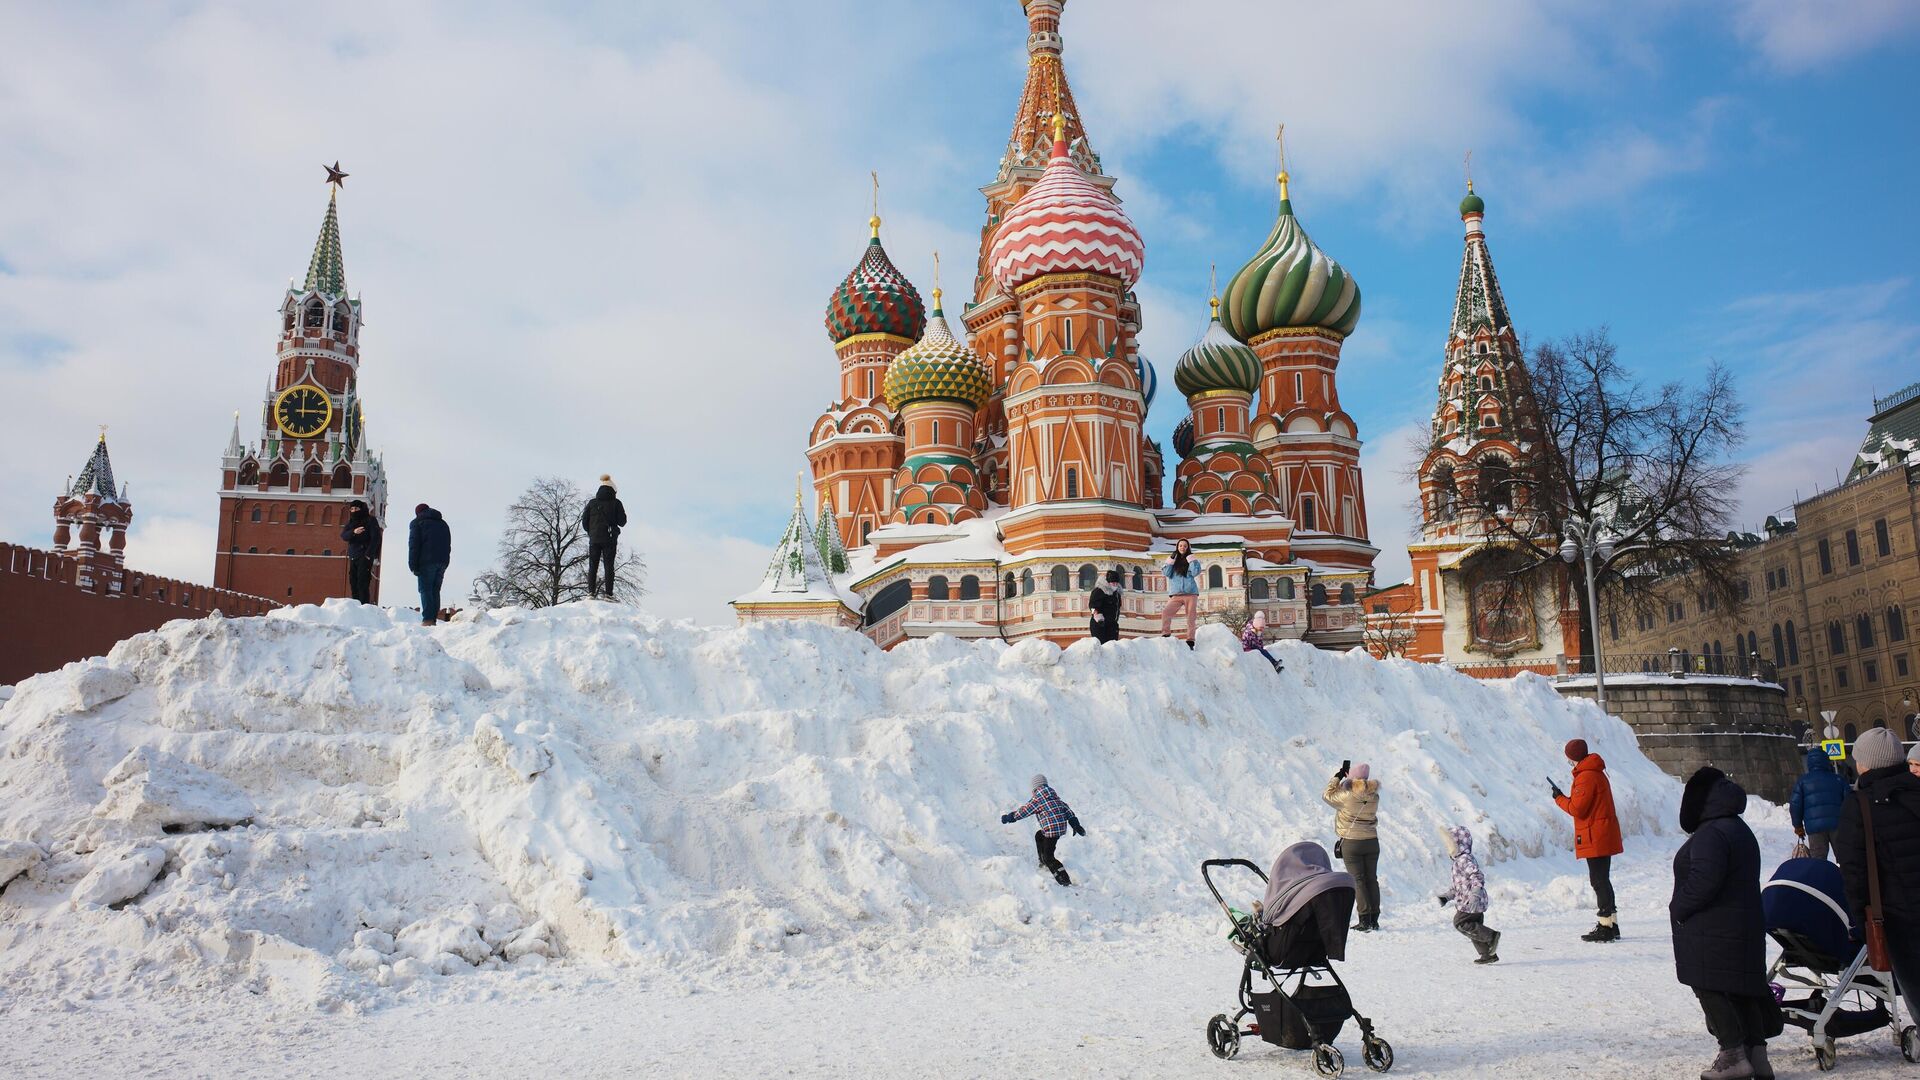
[601,237]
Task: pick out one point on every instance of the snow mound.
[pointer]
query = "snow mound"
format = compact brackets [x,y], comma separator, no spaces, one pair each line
[328,801]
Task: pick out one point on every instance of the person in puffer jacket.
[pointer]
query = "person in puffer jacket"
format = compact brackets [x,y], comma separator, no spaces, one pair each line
[1253,638]
[1056,817]
[1469,894]
[1815,803]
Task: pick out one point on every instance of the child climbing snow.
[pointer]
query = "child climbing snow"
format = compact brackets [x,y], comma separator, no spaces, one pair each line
[1469,894]
[1254,638]
[1056,817]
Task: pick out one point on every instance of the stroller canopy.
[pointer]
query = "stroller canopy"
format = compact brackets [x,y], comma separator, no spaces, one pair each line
[1301,873]
[1806,897]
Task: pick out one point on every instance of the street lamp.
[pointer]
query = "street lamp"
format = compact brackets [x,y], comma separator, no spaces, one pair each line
[1584,541]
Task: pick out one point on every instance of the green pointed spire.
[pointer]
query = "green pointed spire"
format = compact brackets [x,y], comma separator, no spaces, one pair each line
[826,532]
[326,272]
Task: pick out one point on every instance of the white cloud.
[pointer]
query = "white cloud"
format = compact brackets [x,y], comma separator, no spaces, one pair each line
[1393,516]
[1798,35]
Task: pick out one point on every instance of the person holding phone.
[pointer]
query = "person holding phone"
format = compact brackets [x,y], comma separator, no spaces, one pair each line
[1355,798]
[1596,831]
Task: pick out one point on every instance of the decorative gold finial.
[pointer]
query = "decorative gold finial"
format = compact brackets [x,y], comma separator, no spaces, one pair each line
[936,281]
[799,486]
[1059,126]
[874,221]
[1213,288]
[103,433]
[1469,172]
[1281,138]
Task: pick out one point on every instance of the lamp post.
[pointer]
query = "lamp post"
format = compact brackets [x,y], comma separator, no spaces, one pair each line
[1584,541]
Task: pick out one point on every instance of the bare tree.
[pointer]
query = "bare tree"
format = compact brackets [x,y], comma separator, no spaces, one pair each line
[1651,465]
[543,554]
[1389,629]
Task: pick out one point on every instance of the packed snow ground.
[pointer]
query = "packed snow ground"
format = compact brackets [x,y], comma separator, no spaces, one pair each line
[765,847]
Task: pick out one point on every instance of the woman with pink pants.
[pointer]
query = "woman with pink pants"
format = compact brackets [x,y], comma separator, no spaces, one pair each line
[1183,590]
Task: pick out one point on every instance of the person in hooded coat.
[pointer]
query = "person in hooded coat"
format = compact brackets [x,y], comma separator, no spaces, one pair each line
[362,534]
[1056,817]
[1596,832]
[1889,788]
[1468,894]
[1815,803]
[1356,798]
[603,519]
[1253,638]
[429,551]
[1719,931]
[1104,623]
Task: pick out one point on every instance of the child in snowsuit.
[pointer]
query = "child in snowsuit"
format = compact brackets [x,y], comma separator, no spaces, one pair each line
[1055,819]
[1254,638]
[1469,894]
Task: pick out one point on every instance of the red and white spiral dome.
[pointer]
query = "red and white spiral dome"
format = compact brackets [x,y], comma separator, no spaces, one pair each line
[1066,223]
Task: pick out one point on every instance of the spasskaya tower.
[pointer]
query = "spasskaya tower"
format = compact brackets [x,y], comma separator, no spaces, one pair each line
[284,498]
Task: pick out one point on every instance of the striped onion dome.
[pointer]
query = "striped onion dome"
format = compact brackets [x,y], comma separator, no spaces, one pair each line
[1290,284]
[876,298]
[938,367]
[1217,362]
[1065,223]
[1149,378]
[1183,437]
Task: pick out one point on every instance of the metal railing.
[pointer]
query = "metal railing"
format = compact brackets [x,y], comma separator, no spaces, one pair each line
[1751,666]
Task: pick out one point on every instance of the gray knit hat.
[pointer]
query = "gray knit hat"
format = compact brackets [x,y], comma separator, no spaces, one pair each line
[1913,755]
[1877,749]
[1039,781]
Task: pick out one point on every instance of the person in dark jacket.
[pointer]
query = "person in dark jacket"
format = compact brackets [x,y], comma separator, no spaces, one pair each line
[1892,792]
[1815,803]
[1104,624]
[603,519]
[1719,933]
[429,550]
[362,534]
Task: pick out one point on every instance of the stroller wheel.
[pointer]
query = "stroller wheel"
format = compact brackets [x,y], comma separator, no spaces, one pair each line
[1223,1036]
[1824,1056]
[1378,1054]
[1910,1043]
[1328,1062]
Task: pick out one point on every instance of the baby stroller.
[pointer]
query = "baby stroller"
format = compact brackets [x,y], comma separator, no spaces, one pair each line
[1299,952]
[1805,907]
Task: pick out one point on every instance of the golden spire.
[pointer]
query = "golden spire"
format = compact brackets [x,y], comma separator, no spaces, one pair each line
[103,432]
[874,221]
[799,486]
[1213,288]
[1469,172]
[1281,138]
[936,281]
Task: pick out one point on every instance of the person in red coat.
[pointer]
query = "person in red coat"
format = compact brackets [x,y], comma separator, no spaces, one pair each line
[1596,831]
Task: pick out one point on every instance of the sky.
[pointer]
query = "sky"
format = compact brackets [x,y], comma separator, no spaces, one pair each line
[599,237]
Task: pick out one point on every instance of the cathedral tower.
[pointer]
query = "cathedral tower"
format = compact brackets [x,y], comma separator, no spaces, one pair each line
[1221,472]
[937,387]
[90,519]
[284,498]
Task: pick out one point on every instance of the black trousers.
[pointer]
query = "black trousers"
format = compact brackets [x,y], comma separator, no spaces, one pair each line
[1362,859]
[360,578]
[1600,875]
[1737,1021]
[600,553]
[1045,845]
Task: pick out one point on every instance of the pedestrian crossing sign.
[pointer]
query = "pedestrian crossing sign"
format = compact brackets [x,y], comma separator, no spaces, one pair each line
[1835,748]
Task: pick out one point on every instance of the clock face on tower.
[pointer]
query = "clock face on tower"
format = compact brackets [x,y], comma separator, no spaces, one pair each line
[302,411]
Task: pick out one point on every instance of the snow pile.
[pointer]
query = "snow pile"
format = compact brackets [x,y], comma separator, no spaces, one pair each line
[329,800]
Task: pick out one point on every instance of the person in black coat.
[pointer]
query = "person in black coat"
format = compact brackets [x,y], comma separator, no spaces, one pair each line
[603,518]
[1892,792]
[1104,624]
[1719,932]
[362,534]
[429,550]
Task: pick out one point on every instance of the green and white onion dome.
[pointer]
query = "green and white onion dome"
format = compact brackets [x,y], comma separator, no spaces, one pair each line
[1149,379]
[938,367]
[1290,284]
[1217,362]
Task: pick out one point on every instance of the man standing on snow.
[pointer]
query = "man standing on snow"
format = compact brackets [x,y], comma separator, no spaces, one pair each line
[362,535]
[1815,803]
[1055,819]
[429,550]
[603,519]
[1596,832]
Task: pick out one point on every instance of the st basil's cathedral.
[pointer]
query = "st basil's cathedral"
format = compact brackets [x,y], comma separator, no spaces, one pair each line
[978,480]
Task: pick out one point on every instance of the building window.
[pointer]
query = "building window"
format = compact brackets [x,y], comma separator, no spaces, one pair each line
[866,528]
[1793,645]
[1863,629]
[293,515]
[1900,664]
[1309,520]
[969,588]
[1073,483]
[253,551]
[936,432]
[1026,583]
[1853,548]
[1486,382]
[289,551]
[1215,579]
[1840,676]
[888,600]
[1346,593]
[1257,589]
[937,588]
[1881,541]
[1060,580]
[1826,556]
[1139,580]
[1613,626]
[1317,596]
[1069,326]
[1089,576]
[1836,639]
[1286,588]
[1009,587]
[1798,689]
[1870,671]
[326,551]
[1896,624]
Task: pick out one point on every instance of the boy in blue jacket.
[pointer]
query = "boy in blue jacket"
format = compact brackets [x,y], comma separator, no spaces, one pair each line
[1815,803]
[1056,817]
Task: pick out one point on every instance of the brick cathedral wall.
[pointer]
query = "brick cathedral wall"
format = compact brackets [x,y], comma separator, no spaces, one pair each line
[47,621]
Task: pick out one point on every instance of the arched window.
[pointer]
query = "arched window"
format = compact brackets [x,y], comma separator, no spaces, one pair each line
[1486,382]
[342,318]
[1257,589]
[1073,483]
[889,600]
[969,588]
[1060,580]
[293,517]
[253,551]
[936,432]
[1896,624]
[342,477]
[1496,483]
[866,529]
[1346,593]
[286,322]
[1863,629]
[1089,576]
[1286,588]
[1779,646]
[1793,645]
[290,551]
[278,476]
[326,551]
[1139,580]
[1836,639]
[937,588]
[250,474]
[316,316]
[256,513]
[1444,493]
[1317,596]
[1009,587]
[1851,732]
[1026,583]
[1215,579]
[1309,518]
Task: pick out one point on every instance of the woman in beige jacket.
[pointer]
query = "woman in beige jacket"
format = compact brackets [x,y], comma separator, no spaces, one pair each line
[1357,800]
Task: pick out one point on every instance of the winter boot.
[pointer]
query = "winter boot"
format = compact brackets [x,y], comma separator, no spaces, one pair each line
[1278,667]
[1607,930]
[1730,1065]
[1060,876]
[1757,1057]
[1189,643]
[1490,952]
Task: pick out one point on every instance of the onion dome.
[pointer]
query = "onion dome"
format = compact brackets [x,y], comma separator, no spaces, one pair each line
[1149,379]
[1065,223]
[938,367]
[1290,284]
[1183,437]
[1472,204]
[1218,361]
[876,298]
